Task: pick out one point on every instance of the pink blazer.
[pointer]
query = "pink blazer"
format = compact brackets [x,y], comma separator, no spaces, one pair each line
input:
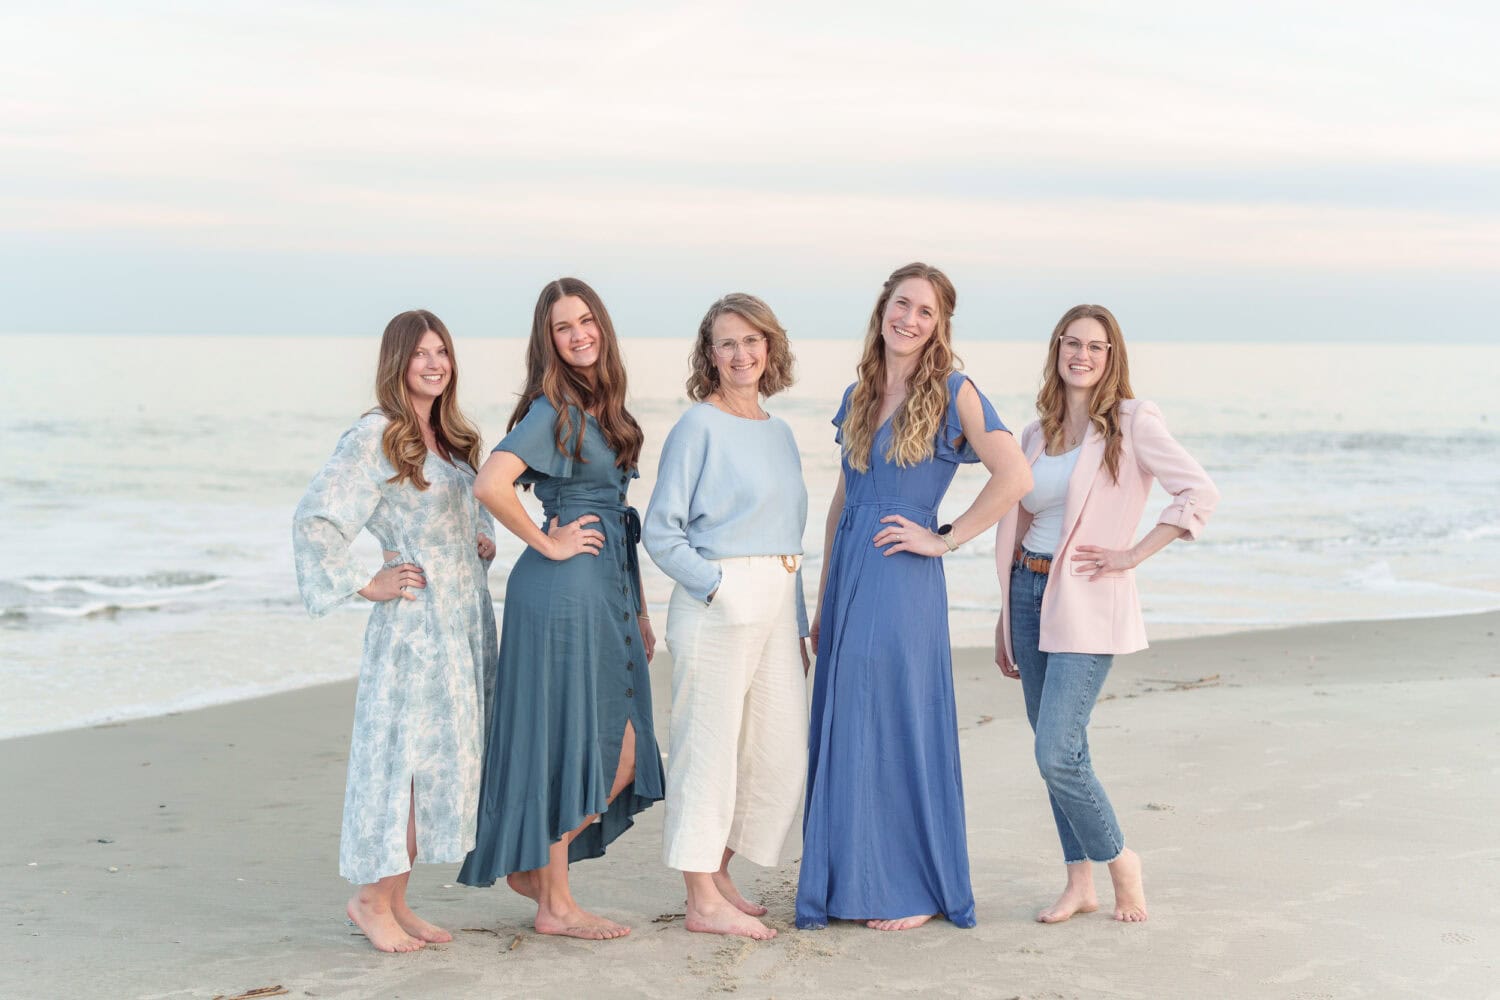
[1104,616]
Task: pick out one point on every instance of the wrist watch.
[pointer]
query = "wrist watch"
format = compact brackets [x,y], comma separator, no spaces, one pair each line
[945,532]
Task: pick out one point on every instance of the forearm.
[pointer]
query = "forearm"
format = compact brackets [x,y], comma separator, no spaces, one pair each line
[1158,538]
[668,546]
[999,495]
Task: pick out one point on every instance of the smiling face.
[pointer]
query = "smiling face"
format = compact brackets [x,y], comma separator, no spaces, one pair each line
[430,369]
[1083,353]
[910,319]
[575,332]
[739,352]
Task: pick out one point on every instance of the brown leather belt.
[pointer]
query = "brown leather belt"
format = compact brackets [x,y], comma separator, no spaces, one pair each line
[1036,564]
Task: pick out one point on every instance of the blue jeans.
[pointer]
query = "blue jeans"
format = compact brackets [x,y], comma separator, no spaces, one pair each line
[1060,691]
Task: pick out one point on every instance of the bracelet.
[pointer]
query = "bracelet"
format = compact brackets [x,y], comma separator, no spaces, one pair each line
[643,616]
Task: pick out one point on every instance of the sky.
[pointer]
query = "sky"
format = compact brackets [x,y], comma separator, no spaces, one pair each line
[1265,172]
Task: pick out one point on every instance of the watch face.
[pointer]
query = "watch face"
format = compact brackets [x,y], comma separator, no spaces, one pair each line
[944,529]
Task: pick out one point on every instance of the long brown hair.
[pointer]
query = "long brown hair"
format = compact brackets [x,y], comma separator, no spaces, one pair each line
[703,373]
[402,439]
[1104,404]
[919,418]
[569,391]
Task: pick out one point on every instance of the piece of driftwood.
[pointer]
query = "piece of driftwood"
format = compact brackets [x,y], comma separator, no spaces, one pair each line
[256,994]
[1176,685]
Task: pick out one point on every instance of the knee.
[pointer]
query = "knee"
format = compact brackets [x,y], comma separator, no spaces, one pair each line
[1056,761]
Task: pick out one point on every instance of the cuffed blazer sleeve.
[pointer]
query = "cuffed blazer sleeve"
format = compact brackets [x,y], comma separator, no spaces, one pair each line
[1194,495]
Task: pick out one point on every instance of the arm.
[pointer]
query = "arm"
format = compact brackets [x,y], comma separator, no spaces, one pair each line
[486,538]
[643,619]
[495,487]
[1194,495]
[1010,480]
[665,529]
[338,503]
[831,525]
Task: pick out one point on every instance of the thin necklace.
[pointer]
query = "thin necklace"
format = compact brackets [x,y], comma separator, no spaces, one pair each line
[723,404]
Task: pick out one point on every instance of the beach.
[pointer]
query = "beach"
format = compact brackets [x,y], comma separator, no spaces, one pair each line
[1314,807]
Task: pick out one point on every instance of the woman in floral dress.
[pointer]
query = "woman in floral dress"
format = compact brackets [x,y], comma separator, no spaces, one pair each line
[405,472]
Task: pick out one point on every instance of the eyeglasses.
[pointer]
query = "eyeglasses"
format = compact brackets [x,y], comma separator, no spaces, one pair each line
[726,348]
[1098,349]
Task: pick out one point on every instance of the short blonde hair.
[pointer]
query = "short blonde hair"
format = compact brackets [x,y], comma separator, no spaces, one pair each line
[703,374]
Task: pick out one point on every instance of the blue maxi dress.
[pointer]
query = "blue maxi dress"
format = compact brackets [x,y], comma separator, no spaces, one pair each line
[571,671]
[883,829]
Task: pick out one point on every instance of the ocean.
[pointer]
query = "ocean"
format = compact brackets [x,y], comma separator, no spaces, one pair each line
[147,486]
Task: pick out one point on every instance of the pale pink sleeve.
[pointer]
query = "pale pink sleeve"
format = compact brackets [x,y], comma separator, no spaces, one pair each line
[1194,495]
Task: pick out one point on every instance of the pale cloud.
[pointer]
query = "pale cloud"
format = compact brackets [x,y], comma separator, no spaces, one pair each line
[1145,139]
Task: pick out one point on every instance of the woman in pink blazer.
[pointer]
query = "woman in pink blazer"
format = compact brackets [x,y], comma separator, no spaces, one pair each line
[1066,564]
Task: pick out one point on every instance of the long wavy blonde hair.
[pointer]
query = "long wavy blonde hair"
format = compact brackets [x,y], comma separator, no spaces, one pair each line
[1104,404]
[917,422]
[703,370]
[402,441]
[570,391]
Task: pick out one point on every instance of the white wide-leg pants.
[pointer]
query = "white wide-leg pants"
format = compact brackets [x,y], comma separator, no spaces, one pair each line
[739,718]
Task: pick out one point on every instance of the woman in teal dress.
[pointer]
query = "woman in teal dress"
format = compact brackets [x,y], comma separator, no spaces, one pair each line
[571,753]
[883,830]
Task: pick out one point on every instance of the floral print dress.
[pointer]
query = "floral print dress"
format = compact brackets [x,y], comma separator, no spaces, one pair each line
[421,705]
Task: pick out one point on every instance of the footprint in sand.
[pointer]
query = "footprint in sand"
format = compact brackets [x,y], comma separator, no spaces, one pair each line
[1457,937]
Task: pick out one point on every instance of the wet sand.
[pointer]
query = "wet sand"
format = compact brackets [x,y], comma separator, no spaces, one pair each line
[1315,808]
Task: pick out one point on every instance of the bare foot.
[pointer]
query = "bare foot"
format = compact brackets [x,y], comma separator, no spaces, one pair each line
[578,923]
[380,927]
[1130,893]
[727,889]
[1074,899]
[525,884]
[417,927]
[900,923]
[725,917]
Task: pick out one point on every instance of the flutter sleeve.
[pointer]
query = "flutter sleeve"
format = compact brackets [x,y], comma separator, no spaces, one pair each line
[670,515]
[336,507]
[1194,495]
[838,418]
[534,441]
[952,446]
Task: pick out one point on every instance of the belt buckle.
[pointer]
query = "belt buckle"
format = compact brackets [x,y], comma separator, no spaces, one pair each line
[788,563]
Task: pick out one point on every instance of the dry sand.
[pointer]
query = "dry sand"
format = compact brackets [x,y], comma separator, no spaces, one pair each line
[1318,820]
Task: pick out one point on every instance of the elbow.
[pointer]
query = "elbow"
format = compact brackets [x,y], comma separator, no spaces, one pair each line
[485,493]
[1023,481]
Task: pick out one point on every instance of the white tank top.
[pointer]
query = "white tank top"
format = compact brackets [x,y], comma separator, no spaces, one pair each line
[1045,502]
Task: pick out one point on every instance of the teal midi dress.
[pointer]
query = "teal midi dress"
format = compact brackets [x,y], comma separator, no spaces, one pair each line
[571,671]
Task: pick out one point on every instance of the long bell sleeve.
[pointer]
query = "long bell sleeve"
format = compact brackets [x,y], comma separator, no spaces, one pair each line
[337,505]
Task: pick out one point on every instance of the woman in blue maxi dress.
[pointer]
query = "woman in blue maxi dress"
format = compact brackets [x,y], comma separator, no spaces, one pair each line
[883,828]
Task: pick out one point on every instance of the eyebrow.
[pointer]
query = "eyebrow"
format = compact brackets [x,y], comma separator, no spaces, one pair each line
[569,322]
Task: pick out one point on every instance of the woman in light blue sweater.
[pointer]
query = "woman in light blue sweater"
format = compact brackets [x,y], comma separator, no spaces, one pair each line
[725,522]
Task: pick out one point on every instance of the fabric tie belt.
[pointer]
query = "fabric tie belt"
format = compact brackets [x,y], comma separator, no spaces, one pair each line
[630,519]
[925,515]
